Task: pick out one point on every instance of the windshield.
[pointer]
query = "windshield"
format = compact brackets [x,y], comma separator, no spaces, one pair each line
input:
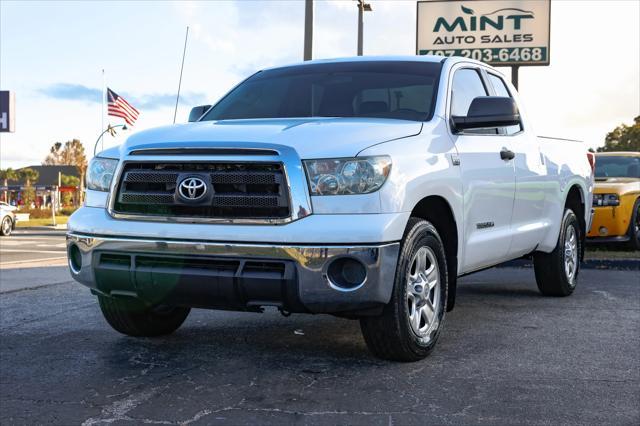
[382,89]
[611,166]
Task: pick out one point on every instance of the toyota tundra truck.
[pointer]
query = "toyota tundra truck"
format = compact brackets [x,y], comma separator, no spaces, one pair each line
[359,187]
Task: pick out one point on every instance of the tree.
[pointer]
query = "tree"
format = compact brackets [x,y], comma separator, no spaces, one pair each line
[67,180]
[623,138]
[6,175]
[71,153]
[29,176]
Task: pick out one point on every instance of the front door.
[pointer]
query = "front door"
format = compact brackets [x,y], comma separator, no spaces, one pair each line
[488,180]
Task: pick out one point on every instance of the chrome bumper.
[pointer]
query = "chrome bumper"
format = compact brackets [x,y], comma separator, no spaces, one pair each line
[309,283]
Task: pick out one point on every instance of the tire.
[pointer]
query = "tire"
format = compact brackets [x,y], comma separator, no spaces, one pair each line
[397,334]
[6,226]
[557,272]
[133,319]
[634,227]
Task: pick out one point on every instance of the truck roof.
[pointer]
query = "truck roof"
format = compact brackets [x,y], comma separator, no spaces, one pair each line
[398,58]
[618,154]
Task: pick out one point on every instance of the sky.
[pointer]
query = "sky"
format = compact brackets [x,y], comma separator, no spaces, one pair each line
[52,55]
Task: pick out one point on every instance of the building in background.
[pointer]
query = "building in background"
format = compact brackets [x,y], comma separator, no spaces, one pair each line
[48,182]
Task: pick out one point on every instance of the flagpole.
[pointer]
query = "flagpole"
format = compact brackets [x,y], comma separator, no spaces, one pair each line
[184,51]
[104,95]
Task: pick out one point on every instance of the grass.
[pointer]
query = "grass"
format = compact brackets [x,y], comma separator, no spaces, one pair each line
[42,222]
[610,251]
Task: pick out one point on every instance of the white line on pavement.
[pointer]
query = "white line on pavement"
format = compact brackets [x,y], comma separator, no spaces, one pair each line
[16,262]
[36,237]
[33,251]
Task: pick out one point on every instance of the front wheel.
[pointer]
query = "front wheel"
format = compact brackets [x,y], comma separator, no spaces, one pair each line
[634,227]
[557,272]
[411,322]
[132,318]
[6,226]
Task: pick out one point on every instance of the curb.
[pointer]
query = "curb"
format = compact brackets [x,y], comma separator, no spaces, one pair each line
[621,264]
[62,227]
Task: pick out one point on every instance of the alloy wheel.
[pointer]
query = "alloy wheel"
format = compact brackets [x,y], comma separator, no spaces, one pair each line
[6,226]
[423,293]
[570,253]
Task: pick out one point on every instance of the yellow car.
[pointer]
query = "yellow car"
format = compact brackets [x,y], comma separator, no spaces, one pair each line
[616,199]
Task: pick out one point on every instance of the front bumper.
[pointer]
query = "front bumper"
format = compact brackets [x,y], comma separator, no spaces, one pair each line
[610,221]
[230,275]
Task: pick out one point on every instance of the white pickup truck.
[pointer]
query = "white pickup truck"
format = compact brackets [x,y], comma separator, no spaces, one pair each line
[359,187]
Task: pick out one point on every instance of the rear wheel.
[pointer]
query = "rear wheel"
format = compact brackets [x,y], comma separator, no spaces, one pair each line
[557,272]
[6,226]
[634,227]
[411,322]
[132,318]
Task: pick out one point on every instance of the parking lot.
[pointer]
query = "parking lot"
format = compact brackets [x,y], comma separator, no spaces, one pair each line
[506,356]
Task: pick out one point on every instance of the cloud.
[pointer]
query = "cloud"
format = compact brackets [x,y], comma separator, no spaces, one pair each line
[155,101]
[72,92]
[151,101]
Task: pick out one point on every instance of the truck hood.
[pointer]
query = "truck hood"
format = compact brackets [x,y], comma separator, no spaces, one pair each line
[616,185]
[310,137]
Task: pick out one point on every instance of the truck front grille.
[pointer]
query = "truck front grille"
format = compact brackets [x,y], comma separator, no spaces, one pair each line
[234,190]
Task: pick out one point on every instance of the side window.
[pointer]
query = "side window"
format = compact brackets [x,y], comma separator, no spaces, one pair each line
[501,90]
[467,85]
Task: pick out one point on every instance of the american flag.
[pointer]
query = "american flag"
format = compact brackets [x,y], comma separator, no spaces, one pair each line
[118,107]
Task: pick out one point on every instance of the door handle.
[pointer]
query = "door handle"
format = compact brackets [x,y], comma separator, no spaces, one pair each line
[507,154]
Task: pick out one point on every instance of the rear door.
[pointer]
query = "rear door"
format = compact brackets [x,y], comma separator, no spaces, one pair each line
[528,222]
[487,179]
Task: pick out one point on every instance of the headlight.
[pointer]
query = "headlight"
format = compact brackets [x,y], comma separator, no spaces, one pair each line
[100,173]
[601,200]
[346,176]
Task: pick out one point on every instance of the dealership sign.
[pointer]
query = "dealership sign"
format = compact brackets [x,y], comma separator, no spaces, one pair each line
[7,111]
[497,32]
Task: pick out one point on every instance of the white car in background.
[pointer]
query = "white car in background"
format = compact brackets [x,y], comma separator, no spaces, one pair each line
[7,219]
[7,206]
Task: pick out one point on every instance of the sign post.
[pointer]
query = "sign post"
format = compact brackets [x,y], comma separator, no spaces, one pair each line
[498,32]
[7,111]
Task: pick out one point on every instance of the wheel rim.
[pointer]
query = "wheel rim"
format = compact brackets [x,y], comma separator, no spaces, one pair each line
[637,224]
[570,253]
[6,226]
[423,292]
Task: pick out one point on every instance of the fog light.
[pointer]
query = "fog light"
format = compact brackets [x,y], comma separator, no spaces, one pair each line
[603,231]
[346,273]
[75,258]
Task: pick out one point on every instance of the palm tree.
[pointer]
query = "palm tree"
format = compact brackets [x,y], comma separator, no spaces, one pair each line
[70,153]
[29,176]
[6,175]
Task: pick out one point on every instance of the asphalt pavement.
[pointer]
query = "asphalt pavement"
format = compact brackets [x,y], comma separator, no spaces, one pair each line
[32,258]
[507,356]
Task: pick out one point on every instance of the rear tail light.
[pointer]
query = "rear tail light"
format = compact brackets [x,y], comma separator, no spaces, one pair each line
[591,157]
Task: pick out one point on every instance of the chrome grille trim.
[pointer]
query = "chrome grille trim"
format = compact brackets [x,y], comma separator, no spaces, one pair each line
[294,181]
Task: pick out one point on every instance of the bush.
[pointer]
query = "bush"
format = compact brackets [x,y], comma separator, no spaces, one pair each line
[46,213]
[36,213]
[67,211]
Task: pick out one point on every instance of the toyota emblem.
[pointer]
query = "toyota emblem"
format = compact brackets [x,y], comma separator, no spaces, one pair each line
[192,188]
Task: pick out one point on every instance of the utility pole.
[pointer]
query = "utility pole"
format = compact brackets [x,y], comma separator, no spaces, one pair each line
[308,30]
[362,7]
[514,75]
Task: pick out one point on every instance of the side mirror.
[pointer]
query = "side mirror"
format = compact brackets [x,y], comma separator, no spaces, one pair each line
[488,112]
[197,112]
